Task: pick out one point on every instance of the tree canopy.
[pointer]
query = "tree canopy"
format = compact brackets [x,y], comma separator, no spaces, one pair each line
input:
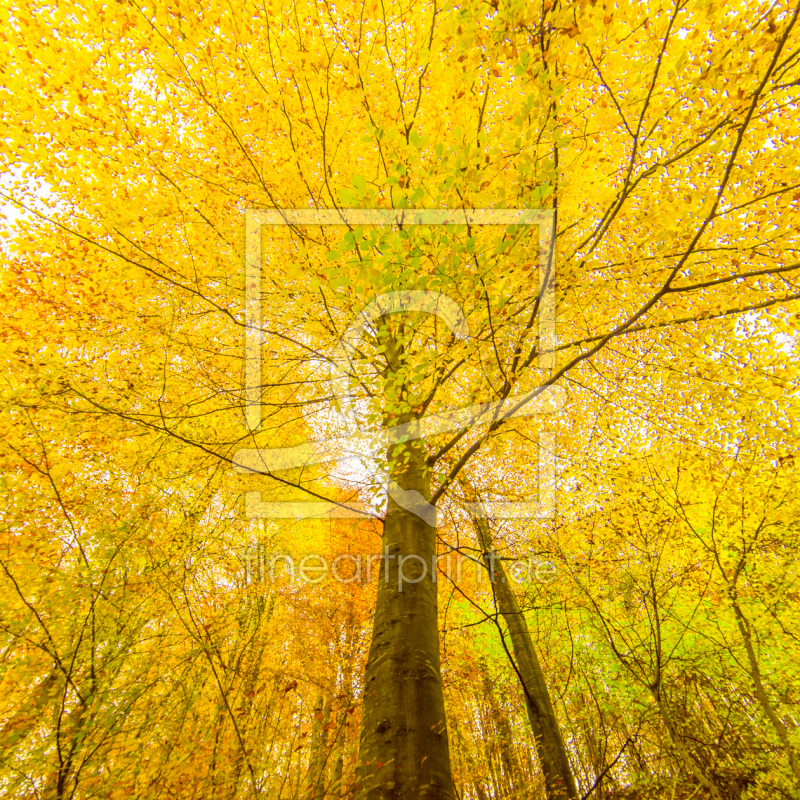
[486,490]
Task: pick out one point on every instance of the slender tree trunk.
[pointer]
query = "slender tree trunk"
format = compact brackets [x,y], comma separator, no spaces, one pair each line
[404,752]
[686,756]
[69,727]
[338,765]
[253,671]
[465,737]
[559,781]
[480,792]
[505,738]
[761,693]
[319,749]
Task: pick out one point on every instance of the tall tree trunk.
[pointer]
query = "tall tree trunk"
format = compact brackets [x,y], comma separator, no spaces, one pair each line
[505,740]
[319,749]
[338,764]
[559,781]
[690,761]
[404,752]
[69,727]
[761,693]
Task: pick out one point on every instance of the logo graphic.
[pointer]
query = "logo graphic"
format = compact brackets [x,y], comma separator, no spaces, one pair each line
[544,400]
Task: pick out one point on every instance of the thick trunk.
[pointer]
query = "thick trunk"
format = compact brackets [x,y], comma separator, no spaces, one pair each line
[404,752]
[559,781]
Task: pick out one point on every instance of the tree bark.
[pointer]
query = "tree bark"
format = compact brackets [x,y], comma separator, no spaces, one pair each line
[761,693]
[404,752]
[559,781]
[338,766]
[677,739]
[511,782]
[319,749]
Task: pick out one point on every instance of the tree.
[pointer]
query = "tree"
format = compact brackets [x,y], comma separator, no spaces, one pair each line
[669,168]
[553,756]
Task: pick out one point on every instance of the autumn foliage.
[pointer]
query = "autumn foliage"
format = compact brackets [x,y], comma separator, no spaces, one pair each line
[153,641]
